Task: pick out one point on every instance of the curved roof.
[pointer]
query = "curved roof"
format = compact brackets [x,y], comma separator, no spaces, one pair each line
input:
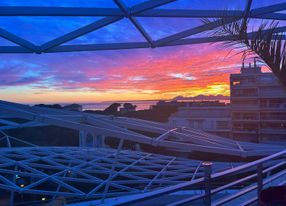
[181,139]
[90,173]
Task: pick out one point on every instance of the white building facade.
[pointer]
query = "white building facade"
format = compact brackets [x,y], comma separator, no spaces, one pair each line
[213,119]
[258,105]
[257,110]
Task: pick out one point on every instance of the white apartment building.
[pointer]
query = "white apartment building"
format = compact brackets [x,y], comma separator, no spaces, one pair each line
[257,110]
[213,118]
[258,105]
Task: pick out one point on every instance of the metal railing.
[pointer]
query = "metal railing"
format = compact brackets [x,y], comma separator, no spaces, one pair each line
[249,177]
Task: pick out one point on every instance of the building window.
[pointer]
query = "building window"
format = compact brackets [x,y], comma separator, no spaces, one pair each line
[222,125]
[245,102]
[235,83]
[273,116]
[273,126]
[244,116]
[267,79]
[244,92]
[196,124]
[247,127]
[251,80]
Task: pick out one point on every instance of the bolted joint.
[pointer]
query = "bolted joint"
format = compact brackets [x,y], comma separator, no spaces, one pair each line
[128,13]
[152,45]
[38,50]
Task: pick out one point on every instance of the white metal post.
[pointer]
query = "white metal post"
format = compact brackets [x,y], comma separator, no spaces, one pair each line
[259,182]
[82,138]
[207,180]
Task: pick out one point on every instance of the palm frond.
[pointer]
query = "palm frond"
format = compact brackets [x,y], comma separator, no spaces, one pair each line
[266,42]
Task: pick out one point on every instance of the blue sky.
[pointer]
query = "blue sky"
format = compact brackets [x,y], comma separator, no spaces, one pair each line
[112,75]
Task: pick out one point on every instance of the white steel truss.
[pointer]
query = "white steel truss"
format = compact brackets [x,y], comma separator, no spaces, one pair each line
[244,190]
[80,174]
[112,15]
[183,140]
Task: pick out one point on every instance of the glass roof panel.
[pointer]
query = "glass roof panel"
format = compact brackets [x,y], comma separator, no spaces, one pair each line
[162,27]
[207,4]
[60,3]
[44,28]
[41,29]
[131,3]
[282,12]
[4,42]
[255,23]
[112,33]
[200,35]
[262,3]
[179,4]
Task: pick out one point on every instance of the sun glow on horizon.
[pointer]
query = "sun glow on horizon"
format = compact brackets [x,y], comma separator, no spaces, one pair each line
[131,75]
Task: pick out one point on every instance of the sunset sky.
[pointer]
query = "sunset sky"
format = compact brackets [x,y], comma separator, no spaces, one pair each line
[138,74]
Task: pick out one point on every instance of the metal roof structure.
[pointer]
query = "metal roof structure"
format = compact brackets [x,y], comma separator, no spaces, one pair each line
[98,127]
[79,174]
[108,176]
[237,190]
[99,174]
[109,16]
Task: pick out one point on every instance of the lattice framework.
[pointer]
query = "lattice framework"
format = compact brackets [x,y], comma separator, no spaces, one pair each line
[113,15]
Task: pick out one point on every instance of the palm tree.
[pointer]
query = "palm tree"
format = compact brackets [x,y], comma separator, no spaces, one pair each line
[267,43]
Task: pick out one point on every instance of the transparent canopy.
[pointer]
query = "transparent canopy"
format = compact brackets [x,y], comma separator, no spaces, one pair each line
[45,26]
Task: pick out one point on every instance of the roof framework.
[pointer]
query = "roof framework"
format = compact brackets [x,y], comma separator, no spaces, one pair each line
[100,174]
[183,140]
[249,186]
[91,173]
[113,15]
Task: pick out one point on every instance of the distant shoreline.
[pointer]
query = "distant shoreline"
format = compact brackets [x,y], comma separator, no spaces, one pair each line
[221,98]
[124,101]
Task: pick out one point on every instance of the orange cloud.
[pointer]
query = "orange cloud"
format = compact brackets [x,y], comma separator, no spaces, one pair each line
[134,74]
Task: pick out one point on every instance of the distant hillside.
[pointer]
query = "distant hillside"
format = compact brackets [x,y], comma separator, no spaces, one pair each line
[203,97]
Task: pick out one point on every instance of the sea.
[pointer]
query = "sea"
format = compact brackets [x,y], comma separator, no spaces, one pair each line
[141,105]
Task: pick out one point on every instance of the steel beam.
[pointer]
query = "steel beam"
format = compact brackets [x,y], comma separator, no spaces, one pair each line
[150,4]
[134,21]
[17,40]
[57,11]
[79,32]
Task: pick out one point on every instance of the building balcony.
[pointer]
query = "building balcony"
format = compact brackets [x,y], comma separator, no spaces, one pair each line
[244,85]
[274,106]
[257,108]
[273,118]
[245,120]
[244,131]
[268,84]
[273,131]
[219,130]
[244,108]
[280,121]
[246,97]
[272,94]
